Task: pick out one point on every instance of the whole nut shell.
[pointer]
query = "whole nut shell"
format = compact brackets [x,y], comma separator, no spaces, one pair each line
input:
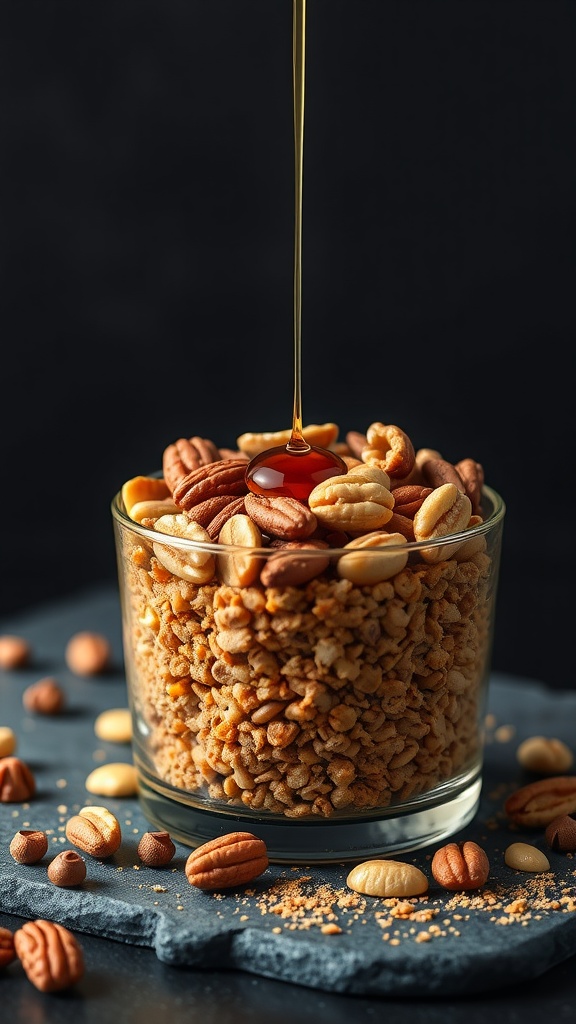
[561,834]
[156,849]
[229,861]
[28,846]
[67,869]
[14,651]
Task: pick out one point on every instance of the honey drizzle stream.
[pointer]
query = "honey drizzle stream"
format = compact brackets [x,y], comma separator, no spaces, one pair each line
[297,442]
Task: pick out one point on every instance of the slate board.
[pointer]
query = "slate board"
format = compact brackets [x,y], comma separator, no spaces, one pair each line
[469,950]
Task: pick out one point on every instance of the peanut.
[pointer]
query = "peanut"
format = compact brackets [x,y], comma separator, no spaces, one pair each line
[368,569]
[193,564]
[113,779]
[235,569]
[114,725]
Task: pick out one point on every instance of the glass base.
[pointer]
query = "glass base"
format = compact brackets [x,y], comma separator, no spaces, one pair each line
[325,841]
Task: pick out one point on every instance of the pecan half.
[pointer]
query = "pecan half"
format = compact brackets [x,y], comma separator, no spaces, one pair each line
[287,568]
[206,511]
[233,507]
[185,455]
[7,951]
[472,474]
[50,955]
[439,471]
[227,476]
[408,498]
[460,866]
[538,803]
[226,862]
[281,516]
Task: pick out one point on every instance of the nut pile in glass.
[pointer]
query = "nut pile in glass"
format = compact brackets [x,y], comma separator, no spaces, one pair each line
[309,660]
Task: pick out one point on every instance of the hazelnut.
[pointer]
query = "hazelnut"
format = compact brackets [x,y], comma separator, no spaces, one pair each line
[156,849]
[67,869]
[561,834]
[87,654]
[28,846]
[14,651]
[45,697]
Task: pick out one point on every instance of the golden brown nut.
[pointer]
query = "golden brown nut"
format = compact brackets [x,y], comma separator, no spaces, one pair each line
[17,782]
[538,803]
[28,846]
[561,834]
[46,697]
[459,866]
[67,869]
[387,878]
[50,955]
[87,654]
[156,849]
[94,830]
[7,741]
[14,651]
[229,861]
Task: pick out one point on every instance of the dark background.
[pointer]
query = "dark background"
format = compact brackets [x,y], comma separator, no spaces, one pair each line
[146,240]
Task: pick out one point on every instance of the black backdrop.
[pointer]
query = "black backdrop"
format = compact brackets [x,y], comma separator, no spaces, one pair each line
[147,247]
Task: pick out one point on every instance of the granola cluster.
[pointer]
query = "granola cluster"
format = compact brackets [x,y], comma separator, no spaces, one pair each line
[324,697]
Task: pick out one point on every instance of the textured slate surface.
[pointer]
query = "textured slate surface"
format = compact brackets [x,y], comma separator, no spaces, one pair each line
[469,950]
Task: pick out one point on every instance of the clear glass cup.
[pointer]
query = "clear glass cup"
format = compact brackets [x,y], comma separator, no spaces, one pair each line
[335,720]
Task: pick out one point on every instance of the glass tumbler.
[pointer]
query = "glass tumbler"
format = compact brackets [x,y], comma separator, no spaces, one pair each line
[336,720]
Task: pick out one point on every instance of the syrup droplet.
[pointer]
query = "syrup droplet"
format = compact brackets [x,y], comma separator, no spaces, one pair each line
[292,471]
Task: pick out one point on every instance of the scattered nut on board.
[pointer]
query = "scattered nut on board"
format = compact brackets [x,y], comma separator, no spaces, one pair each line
[17,782]
[156,849]
[227,862]
[387,878]
[46,697]
[114,725]
[15,651]
[545,755]
[67,869]
[460,866]
[561,834]
[8,741]
[28,846]
[95,830]
[525,857]
[113,779]
[87,654]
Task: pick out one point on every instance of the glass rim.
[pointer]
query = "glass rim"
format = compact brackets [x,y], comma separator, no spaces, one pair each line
[120,515]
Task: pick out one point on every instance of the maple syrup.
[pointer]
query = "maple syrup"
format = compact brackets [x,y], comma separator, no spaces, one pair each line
[294,469]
